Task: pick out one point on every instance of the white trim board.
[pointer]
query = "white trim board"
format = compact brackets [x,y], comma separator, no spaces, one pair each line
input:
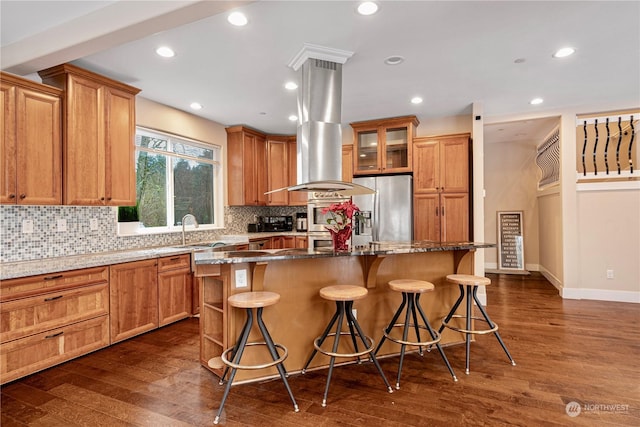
[600,295]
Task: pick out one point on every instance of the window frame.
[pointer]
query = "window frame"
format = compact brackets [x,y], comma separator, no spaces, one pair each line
[217,185]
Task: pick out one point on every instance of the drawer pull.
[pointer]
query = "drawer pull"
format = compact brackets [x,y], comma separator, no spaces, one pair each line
[175,258]
[54,335]
[53,298]
[57,276]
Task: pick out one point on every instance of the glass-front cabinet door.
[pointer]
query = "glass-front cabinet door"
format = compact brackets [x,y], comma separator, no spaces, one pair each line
[383,146]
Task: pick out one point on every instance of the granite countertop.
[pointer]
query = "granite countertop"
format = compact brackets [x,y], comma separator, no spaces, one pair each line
[204,254]
[375,248]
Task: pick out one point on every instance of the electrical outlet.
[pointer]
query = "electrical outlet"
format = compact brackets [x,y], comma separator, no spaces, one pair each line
[93,224]
[241,278]
[62,225]
[609,274]
[27,226]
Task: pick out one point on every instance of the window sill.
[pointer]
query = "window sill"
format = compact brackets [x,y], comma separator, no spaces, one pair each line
[141,230]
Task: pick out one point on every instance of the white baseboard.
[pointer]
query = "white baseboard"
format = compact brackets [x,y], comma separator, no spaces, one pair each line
[551,278]
[600,295]
[493,266]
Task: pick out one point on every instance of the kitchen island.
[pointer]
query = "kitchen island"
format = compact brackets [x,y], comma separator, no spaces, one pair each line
[301,314]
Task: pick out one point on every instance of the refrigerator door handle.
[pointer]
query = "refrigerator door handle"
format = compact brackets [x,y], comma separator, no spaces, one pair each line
[376,214]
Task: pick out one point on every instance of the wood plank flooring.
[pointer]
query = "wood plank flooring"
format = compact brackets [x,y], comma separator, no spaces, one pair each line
[565,350]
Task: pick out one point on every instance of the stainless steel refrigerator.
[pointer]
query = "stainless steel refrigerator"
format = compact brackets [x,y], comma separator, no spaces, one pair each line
[387,215]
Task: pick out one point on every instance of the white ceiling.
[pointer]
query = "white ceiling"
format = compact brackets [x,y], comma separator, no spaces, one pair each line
[456,53]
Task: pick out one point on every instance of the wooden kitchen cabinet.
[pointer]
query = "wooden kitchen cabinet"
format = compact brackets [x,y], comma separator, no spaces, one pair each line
[441,188]
[347,163]
[134,298]
[302,242]
[247,167]
[296,198]
[213,324]
[98,137]
[49,319]
[277,170]
[383,146]
[174,288]
[31,146]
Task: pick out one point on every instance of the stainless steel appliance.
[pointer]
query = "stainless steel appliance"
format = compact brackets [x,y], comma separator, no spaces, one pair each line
[319,241]
[387,215]
[277,223]
[316,220]
[301,221]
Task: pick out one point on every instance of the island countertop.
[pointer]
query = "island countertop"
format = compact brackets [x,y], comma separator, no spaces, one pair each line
[374,248]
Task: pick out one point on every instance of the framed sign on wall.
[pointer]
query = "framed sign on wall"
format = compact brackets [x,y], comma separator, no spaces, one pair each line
[511,240]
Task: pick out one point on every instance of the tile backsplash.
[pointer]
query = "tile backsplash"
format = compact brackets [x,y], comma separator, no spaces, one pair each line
[47,242]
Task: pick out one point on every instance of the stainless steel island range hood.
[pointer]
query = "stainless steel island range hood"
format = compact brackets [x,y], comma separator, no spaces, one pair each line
[319,136]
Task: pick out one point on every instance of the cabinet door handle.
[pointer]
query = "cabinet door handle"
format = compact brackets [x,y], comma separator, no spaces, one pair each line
[175,258]
[12,196]
[102,199]
[57,276]
[53,298]
[22,196]
[54,335]
[442,211]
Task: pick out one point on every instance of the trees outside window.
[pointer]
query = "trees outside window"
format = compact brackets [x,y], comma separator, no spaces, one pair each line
[176,176]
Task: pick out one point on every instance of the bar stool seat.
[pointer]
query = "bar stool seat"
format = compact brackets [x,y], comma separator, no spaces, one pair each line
[411,290]
[470,283]
[231,357]
[344,296]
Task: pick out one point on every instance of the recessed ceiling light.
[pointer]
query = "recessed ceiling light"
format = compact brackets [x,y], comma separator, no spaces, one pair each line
[367,8]
[238,19]
[165,52]
[291,86]
[263,113]
[520,60]
[196,106]
[293,118]
[416,100]
[394,60]
[564,52]
[536,101]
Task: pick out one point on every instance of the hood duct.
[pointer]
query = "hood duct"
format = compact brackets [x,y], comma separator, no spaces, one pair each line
[319,135]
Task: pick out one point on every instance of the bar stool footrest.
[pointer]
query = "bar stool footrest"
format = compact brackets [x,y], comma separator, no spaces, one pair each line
[368,350]
[467,331]
[227,362]
[420,344]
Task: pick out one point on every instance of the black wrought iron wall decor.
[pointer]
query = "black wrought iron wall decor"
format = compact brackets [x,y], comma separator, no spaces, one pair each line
[619,134]
[548,159]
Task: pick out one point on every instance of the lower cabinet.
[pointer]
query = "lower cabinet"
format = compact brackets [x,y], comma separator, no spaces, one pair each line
[174,289]
[133,298]
[441,217]
[49,319]
[25,356]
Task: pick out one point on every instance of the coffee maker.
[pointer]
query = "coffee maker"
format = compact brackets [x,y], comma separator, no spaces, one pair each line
[301,221]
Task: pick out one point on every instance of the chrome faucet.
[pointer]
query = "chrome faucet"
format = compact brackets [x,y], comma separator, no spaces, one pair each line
[195,223]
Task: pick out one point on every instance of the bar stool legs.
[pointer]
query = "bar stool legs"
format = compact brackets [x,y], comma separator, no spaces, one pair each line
[343,309]
[469,285]
[411,290]
[237,351]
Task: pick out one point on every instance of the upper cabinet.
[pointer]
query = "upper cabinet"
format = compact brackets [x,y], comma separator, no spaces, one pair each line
[277,170]
[247,167]
[347,163]
[98,134]
[31,146]
[296,198]
[383,146]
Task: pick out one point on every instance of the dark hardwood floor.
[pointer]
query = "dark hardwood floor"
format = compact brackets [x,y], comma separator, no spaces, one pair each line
[566,351]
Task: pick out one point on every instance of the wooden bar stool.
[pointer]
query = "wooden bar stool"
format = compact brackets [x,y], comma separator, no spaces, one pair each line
[471,283]
[251,301]
[344,296]
[411,291]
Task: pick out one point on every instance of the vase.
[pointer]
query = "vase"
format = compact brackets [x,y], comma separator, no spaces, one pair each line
[341,238]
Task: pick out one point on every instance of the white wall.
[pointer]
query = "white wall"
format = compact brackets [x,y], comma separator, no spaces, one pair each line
[511,185]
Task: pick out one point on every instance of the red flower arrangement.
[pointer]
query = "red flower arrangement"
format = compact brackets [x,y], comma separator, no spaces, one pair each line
[340,222]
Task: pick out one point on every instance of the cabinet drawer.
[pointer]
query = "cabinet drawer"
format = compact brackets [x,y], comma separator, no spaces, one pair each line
[174,262]
[32,315]
[29,286]
[31,354]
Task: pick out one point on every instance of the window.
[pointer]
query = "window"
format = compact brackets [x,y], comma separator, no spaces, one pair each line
[176,176]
